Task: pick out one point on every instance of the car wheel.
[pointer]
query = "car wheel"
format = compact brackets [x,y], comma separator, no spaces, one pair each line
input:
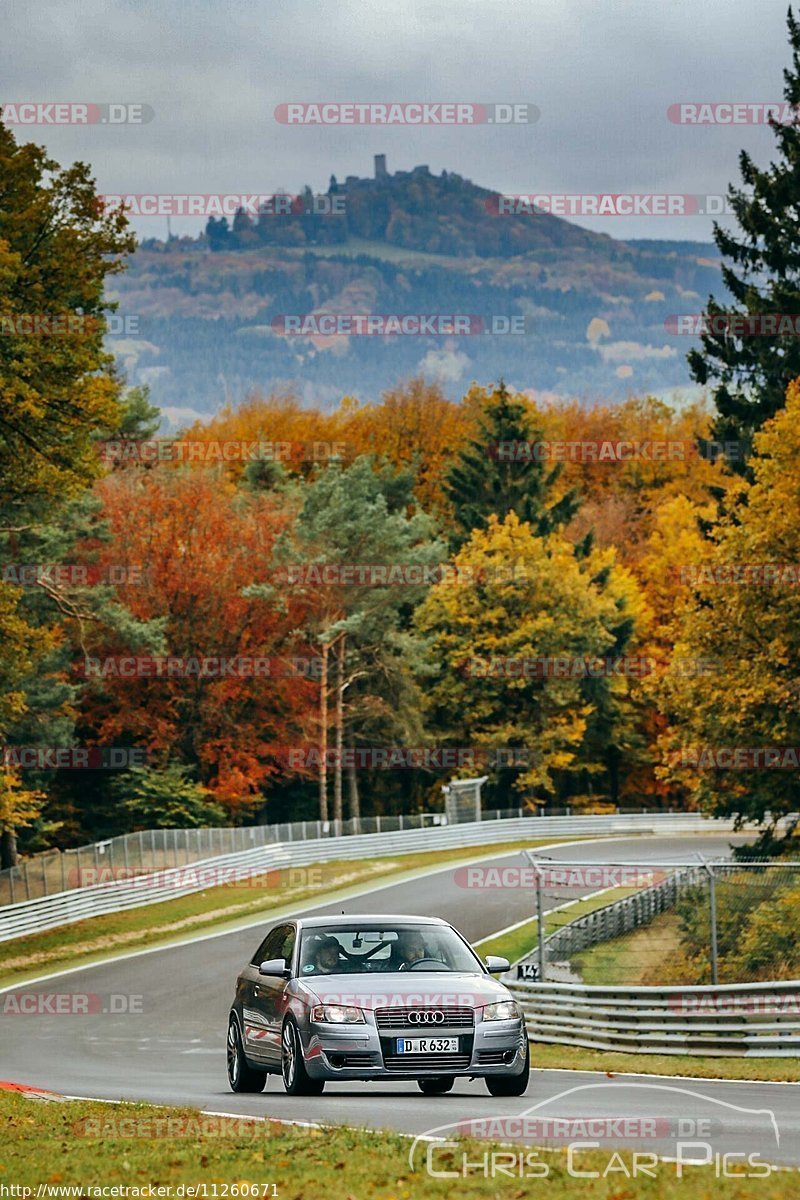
[436,1087]
[296,1079]
[511,1085]
[241,1077]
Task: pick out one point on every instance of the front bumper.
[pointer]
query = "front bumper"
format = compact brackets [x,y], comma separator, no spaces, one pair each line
[366,1052]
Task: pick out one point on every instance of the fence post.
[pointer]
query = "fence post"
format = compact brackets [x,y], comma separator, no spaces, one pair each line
[712,901]
[27,881]
[712,896]
[63,872]
[540,926]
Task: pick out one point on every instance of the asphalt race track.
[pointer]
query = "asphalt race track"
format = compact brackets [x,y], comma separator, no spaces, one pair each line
[172,1051]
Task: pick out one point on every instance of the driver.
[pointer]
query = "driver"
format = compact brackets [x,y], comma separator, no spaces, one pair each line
[326,959]
[411,948]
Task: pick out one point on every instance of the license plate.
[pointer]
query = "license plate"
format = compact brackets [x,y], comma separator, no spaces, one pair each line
[427,1045]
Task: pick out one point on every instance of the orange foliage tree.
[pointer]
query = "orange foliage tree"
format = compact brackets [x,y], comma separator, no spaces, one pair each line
[200,543]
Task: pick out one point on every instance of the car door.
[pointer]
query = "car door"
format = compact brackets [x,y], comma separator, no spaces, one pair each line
[269,991]
[257,1033]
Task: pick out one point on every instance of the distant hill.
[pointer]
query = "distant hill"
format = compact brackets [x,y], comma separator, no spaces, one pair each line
[204,315]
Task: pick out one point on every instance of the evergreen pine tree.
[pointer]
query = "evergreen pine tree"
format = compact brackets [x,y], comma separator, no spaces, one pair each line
[762,272]
[490,475]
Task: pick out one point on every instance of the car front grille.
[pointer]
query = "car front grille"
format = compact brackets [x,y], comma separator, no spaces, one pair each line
[418,1064]
[398,1018]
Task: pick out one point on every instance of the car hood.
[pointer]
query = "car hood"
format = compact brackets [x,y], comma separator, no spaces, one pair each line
[434,989]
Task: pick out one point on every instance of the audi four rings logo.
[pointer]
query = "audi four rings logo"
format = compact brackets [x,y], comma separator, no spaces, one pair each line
[422,1016]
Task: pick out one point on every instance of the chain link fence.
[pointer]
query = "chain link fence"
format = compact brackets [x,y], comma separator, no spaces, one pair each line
[690,923]
[159,849]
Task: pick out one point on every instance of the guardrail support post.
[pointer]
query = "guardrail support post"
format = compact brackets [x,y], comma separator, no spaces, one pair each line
[540,927]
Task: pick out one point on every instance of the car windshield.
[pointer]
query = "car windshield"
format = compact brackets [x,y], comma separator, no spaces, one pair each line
[360,950]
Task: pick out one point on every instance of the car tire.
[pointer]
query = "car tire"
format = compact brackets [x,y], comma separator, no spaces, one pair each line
[511,1085]
[296,1079]
[437,1086]
[241,1076]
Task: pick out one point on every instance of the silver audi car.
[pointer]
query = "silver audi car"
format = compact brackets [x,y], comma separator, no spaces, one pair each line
[374,997]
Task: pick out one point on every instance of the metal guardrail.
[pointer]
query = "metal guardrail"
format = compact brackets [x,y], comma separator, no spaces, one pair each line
[614,919]
[751,1019]
[157,849]
[146,850]
[66,907]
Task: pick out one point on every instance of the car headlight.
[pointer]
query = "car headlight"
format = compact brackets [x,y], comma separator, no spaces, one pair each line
[503,1010]
[337,1014]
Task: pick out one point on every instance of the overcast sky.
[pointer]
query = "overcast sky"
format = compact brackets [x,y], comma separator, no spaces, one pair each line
[602,72]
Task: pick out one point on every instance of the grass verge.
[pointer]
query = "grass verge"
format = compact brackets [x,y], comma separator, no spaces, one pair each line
[630,959]
[514,943]
[217,908]
[576,1058]
[77,1143]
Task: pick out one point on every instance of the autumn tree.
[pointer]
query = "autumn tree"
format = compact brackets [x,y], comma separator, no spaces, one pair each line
[58,245]
[514,598]
[744,613]
[199,543]
[57,386]
[353,518]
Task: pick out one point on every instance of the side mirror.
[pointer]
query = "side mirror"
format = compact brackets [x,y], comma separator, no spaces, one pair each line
[275,966]
[495,965]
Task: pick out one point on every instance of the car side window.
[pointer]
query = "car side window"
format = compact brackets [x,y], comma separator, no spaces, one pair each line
[287,947]
[272,945]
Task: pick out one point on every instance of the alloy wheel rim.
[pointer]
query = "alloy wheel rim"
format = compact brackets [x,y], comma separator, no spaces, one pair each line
[288,1055]
[233,1054]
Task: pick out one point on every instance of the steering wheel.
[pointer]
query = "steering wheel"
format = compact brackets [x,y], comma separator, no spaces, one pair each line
[420,962]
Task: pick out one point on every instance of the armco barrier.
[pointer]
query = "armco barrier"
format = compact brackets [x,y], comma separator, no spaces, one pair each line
[62,908]
[753,1019]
